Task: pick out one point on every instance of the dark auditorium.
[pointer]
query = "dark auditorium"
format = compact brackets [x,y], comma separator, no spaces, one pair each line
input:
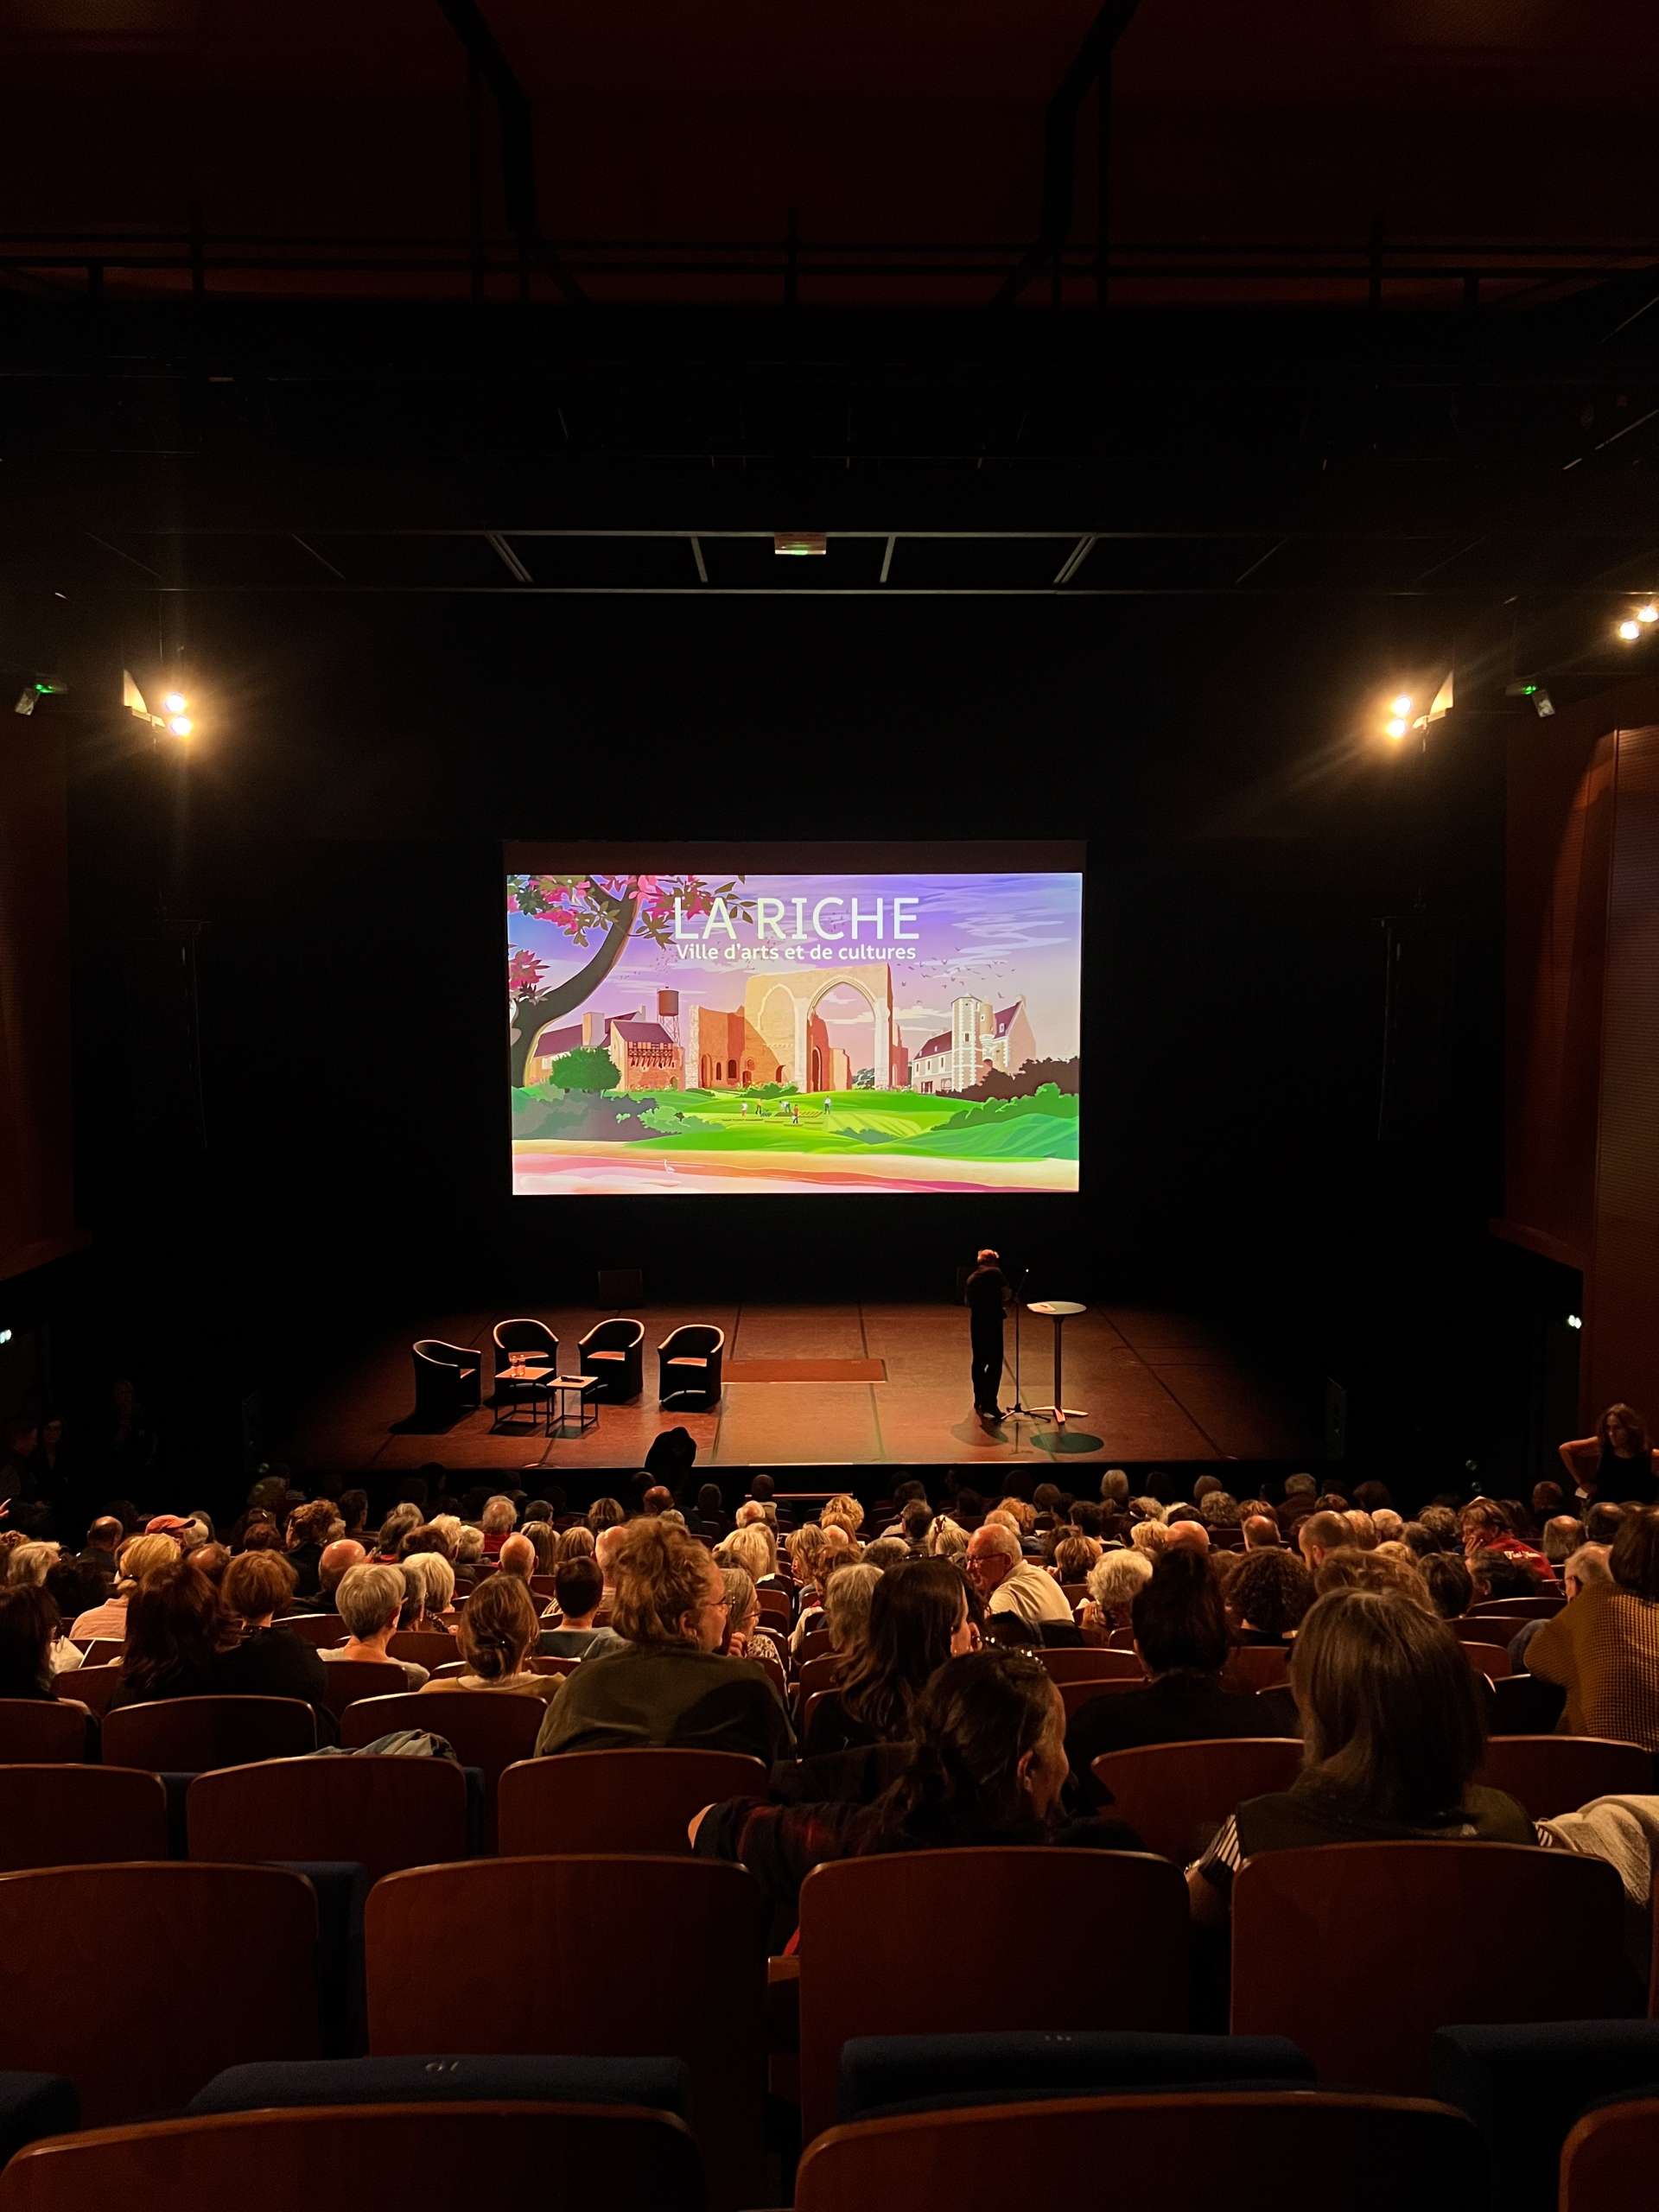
[709,1587]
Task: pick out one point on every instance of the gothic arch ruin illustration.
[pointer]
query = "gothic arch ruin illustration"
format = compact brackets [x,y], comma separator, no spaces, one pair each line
[780,1006]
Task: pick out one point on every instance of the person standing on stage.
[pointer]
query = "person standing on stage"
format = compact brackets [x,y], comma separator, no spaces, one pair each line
[988,1295]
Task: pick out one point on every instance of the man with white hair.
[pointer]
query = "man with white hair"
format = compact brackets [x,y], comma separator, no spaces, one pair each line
[987,1296]
[1008,1581]
[497,1521]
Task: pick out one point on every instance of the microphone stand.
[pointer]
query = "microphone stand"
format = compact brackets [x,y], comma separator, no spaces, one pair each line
[1019,1406]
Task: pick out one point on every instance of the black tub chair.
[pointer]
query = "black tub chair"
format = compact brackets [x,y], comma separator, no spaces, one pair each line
[689,1363]
[614,1351]
[447,1379]
[534,1339]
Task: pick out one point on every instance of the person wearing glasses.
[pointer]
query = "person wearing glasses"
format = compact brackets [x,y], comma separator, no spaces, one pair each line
[670,1683]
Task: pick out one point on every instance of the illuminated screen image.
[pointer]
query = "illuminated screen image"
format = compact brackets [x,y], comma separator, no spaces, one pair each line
[708,1031]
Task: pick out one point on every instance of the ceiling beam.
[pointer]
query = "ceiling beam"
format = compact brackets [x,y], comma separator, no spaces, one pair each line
[467,19]
[1087,65]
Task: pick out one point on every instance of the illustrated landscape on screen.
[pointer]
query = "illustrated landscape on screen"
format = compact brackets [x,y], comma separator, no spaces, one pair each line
[675,1033]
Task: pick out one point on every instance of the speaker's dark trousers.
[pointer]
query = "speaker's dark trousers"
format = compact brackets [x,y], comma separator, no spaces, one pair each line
[986,1340]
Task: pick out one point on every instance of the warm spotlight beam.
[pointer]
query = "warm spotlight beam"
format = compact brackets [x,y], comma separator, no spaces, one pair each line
[1090,63]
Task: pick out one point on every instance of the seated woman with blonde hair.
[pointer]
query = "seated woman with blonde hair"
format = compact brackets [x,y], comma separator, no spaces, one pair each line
[499,1631]
[1393,1732]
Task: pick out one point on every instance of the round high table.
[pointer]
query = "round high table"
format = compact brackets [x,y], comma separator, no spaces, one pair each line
[1060,1311]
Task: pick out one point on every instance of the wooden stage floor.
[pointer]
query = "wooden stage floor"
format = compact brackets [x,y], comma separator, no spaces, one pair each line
[1155,1385]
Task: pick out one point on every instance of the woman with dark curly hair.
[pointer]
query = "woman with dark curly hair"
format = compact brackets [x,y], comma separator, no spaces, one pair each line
[1268,1596]
[986,1766]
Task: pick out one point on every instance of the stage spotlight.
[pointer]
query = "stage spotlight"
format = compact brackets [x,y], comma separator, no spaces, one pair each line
[180,725]
[1400,704]
[1647,613]
[175,703]
[1630,629]
[1574,1321]
[1395,727]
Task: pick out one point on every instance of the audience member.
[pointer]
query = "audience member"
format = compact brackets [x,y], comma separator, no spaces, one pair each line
[1180,1632]
[670,1459]
[1260,1533]
[1590,1563]
[1186,1534]
[986,1767]
[428,1592]
[1440,1523]
[1150,1538]
[1347,1567]
[746,1635]
[1451,1590]
[30,1563]
[1603,1646]
[1268,1596]
[1602,1522]
[916,1618]
[710,1519]
[337,1562]
[266,1661]
[668,1684]
[212,1560]
[1008,1582]
[1322,1531]
[396,1526]
[886,1551]
[74,1585]
[1563,1534]
[604,1513]
[368,1602]
[1616,1464]
[1074,1556]
[848,1591]
[1487,1527]
[141,1557]
[579,1591]
[754,1548]
[1114,1489]
[946,1540]
[496,1521]
[498,1630]
[517,1556]
[103,1542]
[309,1529]
[181,1639]
[31,1626]
[1548,1500]
[1112,1583]
[1393,1732]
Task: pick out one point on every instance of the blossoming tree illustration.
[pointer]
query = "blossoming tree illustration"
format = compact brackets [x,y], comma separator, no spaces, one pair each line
[603,911]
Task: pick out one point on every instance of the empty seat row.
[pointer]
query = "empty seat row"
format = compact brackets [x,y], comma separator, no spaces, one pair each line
[1254,2151]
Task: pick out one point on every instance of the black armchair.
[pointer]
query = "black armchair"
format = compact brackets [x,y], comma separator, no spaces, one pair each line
[614,1351]
[534,1339]
[689,1363]
[447,1379]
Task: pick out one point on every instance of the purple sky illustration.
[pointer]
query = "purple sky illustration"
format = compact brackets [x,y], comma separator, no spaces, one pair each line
[995,937]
